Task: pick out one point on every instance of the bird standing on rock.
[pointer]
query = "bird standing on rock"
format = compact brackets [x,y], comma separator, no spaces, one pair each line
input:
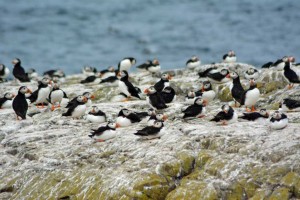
[126,63]
[127,117]
[250,96]
[163,82]
[155,98]
[104,133]
[193,62]
[254,116]
[151,132]
[251,73]
[6,100]
[77,109]
[293,75]
[215,76]
[96,115]
[19,72]
[290,105]
[20,104]
[230,57]
[226,116]
[206,92]
[126,87]
[56,96]
[237,90]
[197,110]
[42,93]
[278,120]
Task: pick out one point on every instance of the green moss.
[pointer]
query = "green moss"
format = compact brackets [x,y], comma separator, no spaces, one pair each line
[272,86]
[214,166]
[260,194]
[297,189]
[203,157]
[170,169]
[225,95]
[280,194]
[187,161]
[235,192]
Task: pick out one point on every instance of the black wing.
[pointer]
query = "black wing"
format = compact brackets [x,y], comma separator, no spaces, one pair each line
[216,76]
[251,116]
[159,86]
[224,57]
[204,73]
[277,62]
[20,106]
[65,95]
[109,79]
[192,111]
[220,116]
[144,65]
[73,101]
[132,90]
[2,100]
[99,113]
[99,131]
[157,101]
[149,130]
[33,97]
[70,110]
[291,103]
[89,79]
[267,65]
[142,114]
[133,117]
[168,94]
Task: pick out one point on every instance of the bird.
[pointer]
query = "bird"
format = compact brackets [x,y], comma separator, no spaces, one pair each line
[292,75]
[96,115]
[126,87]
[206,92]
[277,65]
[163,82]
[109,72]
[193,63]
[20,104]
[151,132]
[154,117]
[40,95]
[127,118]
[197,110]
[168,94]
[190,97]
[226,116]
[154,66]
[278,120]
[215,76]
[236,88]
[6,100]
[54,73]
[56,96]
[250,96]
[4,72]
[95,78]
[104,133]
[19,72]
[155,98]
[143,115]
[290,105]
[230,57]
[77,109]
[255,116]
[32,74]
[144,66]
[126,63]
[251,73]
[88,70]
[88,95]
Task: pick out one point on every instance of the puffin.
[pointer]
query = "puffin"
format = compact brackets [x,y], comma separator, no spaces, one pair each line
[154,117]
[168,94]
[32,74]
[226,116]
[77,108]
[206,92]
[290,105]
[126,87]
[20,104]
[155,98]
[236,88]
[154,66]
[40,95]
[104,133]
[251,73]
[190,97]
[278,65]
[197,110]
[127,118]
[56,96]
[144,66]
[6,100]
[278,120]
[57,73]
[110,71]
[88,95]
[96,115]
[193,63]
[255,116]
[19,72]
[151,132]
[250,96]
[126,63]
[143,115]
[230,57]
[111,80]
[4,72]
[216,76]
[95,78]
[163,82]
[89,71]
[292,75]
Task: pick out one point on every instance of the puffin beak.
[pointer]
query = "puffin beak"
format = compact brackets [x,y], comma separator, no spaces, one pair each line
[202,89]
[228,76]
[204,102]
[93,96]
[29,91]
[169,77]
[146,91]
[93,111]
[226,111]
[292,59]
[267,114]
[85,99]
[118,125]
[165,117]
[101,75]
[13,95]
[119,74]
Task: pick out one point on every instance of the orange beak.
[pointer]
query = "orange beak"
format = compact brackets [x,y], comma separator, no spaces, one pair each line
[267,114]
[29,91]
[169,77]
[202,89]
[13,95]
[146,91]
[93,96]
[165,117]
[85,99]
[228,76]
[119,74]
[204,102]
[225,111]
[118,125]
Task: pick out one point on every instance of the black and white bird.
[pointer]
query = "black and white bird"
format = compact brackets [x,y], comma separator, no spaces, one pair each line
[154,67]
[230,57]
[151,132]
[236,88]
[20,104]
[250,96]
[206,92]
[19,72]
[89,97]
[127,118]
[190,97]
[146,115]
[226,116]
[255,116]
[4,72]
[251,73]
[112,81]
[126,87]
[277,65]
[96,115]
[54,73]
[155,98]
[89,70]
[32,74]
[6,100]
[109,72]
[104,133]
[155,117]
[95,78]
[144,66]
[40,95]
[193,62]
[56,96]
[292,75]
[126,63]
[290,105]
[278,120]
[215,75]
[197,110]
[77,109]
[163,82]
[168,94]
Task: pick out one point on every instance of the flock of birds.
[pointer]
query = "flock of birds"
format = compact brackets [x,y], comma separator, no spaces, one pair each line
[159,96]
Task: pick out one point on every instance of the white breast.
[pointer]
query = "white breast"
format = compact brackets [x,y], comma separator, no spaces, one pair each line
[106,135]
[64,102]
[56,96]
[286,109]
[95,119]
[123,88]
[79,111]
[123,121]
[7,104]
[154,69]
[252,97]
[190,101]
[43,95]
[230,59]
[118,98]
[193,65]
[279,124]
[254,76]
[209,95]
[234,118]
[6,72]
[280,66]
[108,74]
[88,103]
[125,65]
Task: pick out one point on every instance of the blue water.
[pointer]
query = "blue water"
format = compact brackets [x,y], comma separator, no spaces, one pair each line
[69,34]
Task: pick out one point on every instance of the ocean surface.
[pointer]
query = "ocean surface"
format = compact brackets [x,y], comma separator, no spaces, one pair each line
[70,34]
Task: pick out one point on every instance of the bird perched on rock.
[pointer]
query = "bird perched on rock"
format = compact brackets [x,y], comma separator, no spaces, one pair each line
[54,73]
[197,110]
[104,133]
[109,72]
[250,96]
[20,104]
[290,105]
[19,72]
[95,78]
[4,72]
[278,120]
[230,57]
[163,82]
[251,73]
[126,87]
[127,117]
[226,116]
[32,74]
[151,132]
[96,115]
[89,71]
[255,116]
[190,97]
[126,63]
[40,95]
[215,76]
[292,75]
[193,63]
[155,99]
[168,94]
[155,117]
[89,97]
[206,92]
[56,96]
[236,88]
[77,109]
[277,65]
[6,100]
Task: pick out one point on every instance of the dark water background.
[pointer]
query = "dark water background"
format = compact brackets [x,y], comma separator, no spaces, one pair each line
[69,34]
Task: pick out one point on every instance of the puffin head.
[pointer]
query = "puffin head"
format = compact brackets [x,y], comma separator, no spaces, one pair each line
[191,94]
[24,89]
[113,125]
[151,112]
[125,112]
[2,66]
[9,95]
[94,109]
[292,59]
[161,117]
[226,108]
[150,90]
[88,95]
[155,62]
[264,112]
[206,86]
[158,124]
[276,115]
[200,101]
[16,61]
[81,99]
[166,76]
[224,72]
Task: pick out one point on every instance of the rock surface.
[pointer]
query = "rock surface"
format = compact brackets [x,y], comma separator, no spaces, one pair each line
[49,156]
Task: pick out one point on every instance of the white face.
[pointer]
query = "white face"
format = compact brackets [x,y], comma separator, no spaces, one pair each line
[194,58]
[45,81]
[81,98]
[233,75]
[155,62]
[191,94]
[285,59]
[157,124]
[225,108]
[15,61]
[276,115]
[206,85]
[23,89]
[231,53]
[126,112]
[112,125]
[151,112]
[123,74]
[9,95]
[151,90]
[224,72]
[165,76]
[95,109]
[263,112]
[199,101]
[1,67]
